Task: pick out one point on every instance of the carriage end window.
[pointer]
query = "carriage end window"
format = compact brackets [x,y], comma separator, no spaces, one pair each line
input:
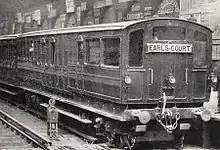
[199,36]
[200,48]
[136,48]
[111,51]
[169,33]
[93,51]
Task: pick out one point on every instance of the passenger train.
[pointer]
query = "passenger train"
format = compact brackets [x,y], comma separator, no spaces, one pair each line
[132,82]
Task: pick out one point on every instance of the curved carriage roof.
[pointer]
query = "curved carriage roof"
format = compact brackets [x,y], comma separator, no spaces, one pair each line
[8,37]
[86,28]
[89,28]
[100,27]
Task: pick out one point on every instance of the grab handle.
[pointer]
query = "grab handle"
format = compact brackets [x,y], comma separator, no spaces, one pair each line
[151,76]
[186,76]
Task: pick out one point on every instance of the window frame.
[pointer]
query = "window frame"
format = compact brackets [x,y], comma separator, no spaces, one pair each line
[83,51]
[104,66]
[43,50]
[38,47]
[0,50]
[52,46]
[32,53]
[5,50]
[86,52]
[141,66]
[206,51]
[163,25]
[202,33]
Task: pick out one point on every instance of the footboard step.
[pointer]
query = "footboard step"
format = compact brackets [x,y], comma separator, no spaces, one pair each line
[7,91]
[71,115]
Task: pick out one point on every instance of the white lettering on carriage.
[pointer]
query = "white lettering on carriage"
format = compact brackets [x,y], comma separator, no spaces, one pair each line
[170,48]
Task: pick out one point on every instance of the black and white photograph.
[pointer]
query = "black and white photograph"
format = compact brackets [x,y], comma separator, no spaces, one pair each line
[109,74]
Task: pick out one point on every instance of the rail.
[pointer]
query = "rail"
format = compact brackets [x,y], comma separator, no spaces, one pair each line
[25,131]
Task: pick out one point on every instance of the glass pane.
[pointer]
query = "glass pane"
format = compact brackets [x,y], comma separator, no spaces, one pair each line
[93,51]
[43,52]
[70,56]
[200,46]
[168,33]
[111,51]
[48,53]
[65,58]
[80,52]
[23,49]
[52,53]
[136,48]
[60,58]
[199,36]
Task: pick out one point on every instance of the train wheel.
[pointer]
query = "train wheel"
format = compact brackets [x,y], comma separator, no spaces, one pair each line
[178,141]
[125,142]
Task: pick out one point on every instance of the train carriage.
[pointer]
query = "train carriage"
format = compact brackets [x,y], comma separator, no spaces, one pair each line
[129,79]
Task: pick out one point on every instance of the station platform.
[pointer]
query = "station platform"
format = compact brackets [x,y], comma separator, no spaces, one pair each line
[69,141]
[212,106]
[65,140]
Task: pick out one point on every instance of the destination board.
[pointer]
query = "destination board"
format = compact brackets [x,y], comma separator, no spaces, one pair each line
[170,48]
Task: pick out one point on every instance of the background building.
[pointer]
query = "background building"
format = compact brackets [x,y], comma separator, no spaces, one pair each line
[17,16]
[47,14]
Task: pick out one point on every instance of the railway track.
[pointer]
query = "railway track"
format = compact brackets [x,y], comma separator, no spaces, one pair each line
[13,138]
[33,129]
[88,145]
[44,145]
[24,132]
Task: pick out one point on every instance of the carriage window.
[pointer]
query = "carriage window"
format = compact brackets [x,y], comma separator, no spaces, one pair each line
[43,51]
[0,49]
[80,52]
[199,36]
[9,50]
[93,51]
[52,53]
[136,48]
[4,51]
[23,49]
[27,50]
[168,33]
[111,51]
[38,52]
[200,46]
[35,52]
[0,52]
[31,51]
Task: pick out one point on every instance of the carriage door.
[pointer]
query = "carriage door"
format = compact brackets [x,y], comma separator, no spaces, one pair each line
[136,70]
[79,66]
